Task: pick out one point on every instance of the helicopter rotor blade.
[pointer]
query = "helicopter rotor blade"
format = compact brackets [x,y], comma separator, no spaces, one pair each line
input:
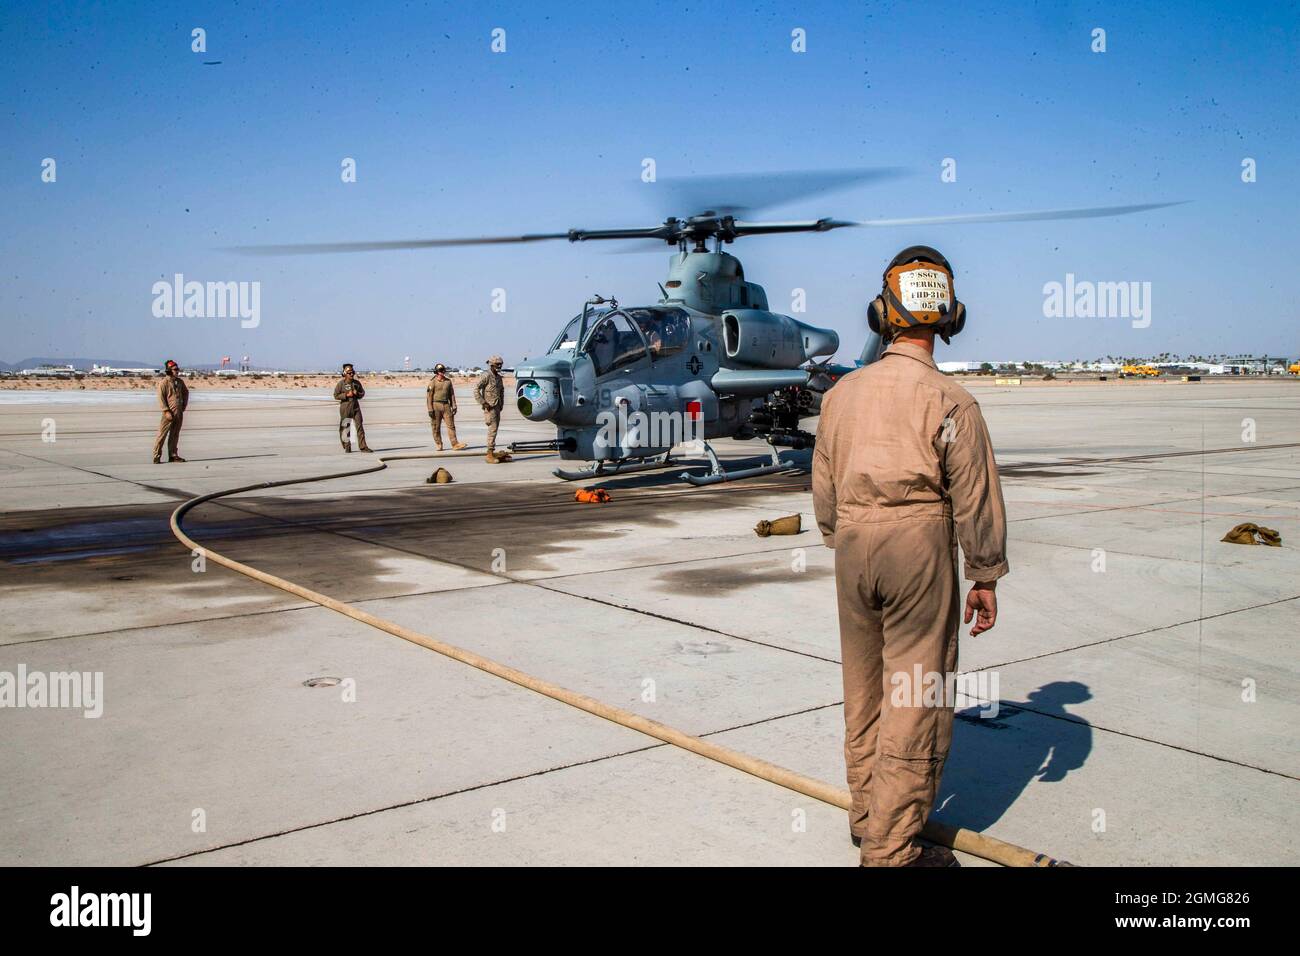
[740,193]
[1033,216]
[572,235]
[774,228]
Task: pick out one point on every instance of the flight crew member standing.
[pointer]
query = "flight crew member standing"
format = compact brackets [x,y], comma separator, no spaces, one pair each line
[348,393]
[490,391]
[173,396]
[440,398]
[902,471]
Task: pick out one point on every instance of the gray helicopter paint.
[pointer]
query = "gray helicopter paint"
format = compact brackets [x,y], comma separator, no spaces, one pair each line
[711,282]
[757,382]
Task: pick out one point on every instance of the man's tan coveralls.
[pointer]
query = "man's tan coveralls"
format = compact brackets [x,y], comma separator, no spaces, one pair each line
[902,456]
[490,391]
[349,395]
[173,396]
[440,398]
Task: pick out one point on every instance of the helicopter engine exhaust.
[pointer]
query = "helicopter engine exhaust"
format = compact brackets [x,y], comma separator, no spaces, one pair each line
[767,340]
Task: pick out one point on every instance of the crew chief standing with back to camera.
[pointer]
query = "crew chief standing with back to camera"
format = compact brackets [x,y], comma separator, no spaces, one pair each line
[903,469]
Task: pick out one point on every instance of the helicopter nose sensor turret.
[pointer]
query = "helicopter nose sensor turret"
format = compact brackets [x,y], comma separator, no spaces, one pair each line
[538,400]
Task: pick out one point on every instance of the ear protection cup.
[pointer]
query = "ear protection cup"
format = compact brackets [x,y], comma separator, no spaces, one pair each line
[958,318]
[876,315]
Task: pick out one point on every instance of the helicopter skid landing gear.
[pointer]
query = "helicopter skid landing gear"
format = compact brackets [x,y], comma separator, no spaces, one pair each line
[718,474]
[603,469]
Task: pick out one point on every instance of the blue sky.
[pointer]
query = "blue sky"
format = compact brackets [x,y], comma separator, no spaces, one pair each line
[164,161]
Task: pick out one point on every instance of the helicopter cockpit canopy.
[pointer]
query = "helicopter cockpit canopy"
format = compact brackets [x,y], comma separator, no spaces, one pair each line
[568,339]
[666,331]
[618,337]
[613,343]
[625,336]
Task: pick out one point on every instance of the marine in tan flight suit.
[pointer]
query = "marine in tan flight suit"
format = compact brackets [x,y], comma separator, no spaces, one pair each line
[490,391]
[348,393]
[173,396]
[440,399]
[903,470]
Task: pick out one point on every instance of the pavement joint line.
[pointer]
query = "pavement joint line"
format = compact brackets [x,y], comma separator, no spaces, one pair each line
[1142,506]
[480,786]
[1150,630]
[699,627]
[157,489]
[1157,456]
[306,606]
[1244,473]
[670,564]
[1127,554]
[1156,510]
[1072,719]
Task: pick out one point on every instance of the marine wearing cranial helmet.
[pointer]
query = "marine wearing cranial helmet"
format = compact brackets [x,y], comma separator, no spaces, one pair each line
[903,470]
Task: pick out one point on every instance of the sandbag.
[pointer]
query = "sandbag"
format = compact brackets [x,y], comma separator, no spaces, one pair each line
[792,524]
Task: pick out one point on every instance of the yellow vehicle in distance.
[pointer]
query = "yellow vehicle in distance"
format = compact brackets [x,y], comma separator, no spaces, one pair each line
[1141,371]
[1294,369]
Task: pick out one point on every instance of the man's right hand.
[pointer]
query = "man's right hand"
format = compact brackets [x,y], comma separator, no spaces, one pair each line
[982,605]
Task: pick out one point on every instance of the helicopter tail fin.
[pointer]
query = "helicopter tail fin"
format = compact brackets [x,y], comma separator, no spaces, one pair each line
[872,349]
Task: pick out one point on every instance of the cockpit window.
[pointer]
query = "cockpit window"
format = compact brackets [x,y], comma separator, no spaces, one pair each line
[666,330]
[614,343]
[569,337]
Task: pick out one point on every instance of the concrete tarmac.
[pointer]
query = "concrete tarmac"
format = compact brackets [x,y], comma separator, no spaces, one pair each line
[1145,673]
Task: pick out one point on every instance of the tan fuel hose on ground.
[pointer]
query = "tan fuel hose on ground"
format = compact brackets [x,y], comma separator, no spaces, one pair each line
[968,841]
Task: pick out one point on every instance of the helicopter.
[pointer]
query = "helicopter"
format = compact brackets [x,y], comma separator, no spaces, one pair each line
[626,386]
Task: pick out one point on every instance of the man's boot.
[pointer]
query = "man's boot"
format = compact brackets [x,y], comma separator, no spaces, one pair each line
[178,458]
[935,856]
[491,456]
[157,461]
[459,446]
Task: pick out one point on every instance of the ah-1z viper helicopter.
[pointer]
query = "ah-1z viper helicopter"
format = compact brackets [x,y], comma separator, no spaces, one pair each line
[625,385]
